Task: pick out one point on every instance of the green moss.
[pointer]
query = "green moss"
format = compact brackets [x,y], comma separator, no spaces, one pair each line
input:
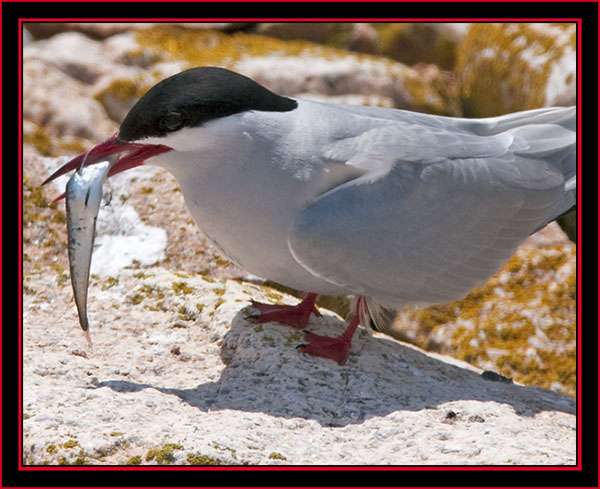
[277,456]
[164,455]
[70,444]
[110,282]
[62,277]
[293,338]
[51,449]
[198,459]
[28,290]
[135,460]
[186,315]
[152,291]
[219,260]
[182,288]
[136,299]
[58,216]
[36,194]
[79,460]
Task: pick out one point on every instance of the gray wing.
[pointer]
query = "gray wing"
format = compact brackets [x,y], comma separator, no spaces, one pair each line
[434,224]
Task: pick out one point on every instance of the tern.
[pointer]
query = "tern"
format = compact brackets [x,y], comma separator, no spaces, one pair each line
[388,206]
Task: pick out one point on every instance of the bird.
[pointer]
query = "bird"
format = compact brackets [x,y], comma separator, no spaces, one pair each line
[387,206]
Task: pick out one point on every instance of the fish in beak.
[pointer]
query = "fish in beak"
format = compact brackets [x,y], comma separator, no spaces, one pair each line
[83,195]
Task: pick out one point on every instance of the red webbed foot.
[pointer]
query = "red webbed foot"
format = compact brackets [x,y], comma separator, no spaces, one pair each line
[296,316]
[335,348]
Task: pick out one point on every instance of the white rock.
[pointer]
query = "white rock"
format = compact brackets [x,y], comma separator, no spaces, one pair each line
[251,398]
[290,75]
[72,53]
[61,104]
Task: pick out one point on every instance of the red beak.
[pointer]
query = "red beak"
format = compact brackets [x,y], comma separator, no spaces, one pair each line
[136,155]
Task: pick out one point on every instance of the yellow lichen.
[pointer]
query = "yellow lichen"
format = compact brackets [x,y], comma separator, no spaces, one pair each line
[40,140]
[201,48]
[185,314]
[164,455]
[72,145]
[181,288]
[198,459]
[110,282]
[435,94]
[417,42]
[521,323]
[504,67]
[277,456]
[121,93]
[70,444]
[136,299]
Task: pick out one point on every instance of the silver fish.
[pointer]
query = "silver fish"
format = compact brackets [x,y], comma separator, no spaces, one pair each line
[83,197]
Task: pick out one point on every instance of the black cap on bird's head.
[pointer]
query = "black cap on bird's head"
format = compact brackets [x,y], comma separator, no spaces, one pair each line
[195,96]
[187,99]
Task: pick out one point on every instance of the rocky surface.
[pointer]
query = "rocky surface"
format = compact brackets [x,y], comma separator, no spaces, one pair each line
[178,374]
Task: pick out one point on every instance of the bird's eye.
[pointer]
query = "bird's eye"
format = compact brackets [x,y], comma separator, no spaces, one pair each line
[171,122]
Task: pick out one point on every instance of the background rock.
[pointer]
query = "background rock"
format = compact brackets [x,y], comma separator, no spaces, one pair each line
[192,361]
[408,42]
[516,66]
[69,111]
[102,30]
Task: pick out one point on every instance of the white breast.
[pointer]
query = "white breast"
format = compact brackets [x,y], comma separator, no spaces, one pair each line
[244,190]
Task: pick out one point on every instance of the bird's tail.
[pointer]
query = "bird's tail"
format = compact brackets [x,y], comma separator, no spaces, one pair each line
[550,135]
[374,314]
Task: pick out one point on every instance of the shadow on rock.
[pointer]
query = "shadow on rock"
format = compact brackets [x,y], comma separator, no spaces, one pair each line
[264,372]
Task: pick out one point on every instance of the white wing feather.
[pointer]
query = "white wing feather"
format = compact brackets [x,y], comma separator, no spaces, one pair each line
[430,224]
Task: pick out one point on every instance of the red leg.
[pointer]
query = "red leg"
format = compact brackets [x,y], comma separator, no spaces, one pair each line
[296,316]
[336,348]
